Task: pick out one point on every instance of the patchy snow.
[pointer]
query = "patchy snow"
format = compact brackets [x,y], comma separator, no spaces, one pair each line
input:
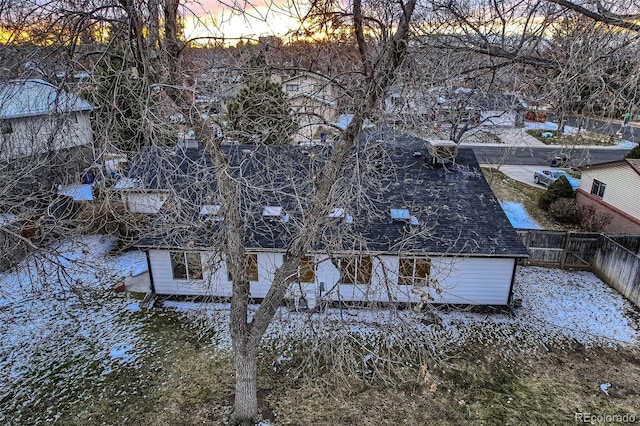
[558,308]
[65,331]
[534,125]
[7,219]
[126,183]
[344,120]
[77,191]
[133,307]
[626,144]
[62,325]
[518,216]
[548,125]
[122,353]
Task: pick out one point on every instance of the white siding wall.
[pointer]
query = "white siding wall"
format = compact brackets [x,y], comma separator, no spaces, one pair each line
[473,281]
[214,281]
[461,280]
[621,190]
[39,134]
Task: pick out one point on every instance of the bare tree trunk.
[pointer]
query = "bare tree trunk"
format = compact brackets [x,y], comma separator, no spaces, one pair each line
[246,401]
[562,122]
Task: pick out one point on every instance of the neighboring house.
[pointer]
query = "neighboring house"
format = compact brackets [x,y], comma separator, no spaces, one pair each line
[46,148]
[313,99]
[436,234]
[612,188]
[36,117]
[443,106]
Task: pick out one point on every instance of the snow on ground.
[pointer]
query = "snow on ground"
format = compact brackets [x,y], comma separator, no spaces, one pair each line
[518,216]
[626,145]
[548,126]
[558,308]
[64,331]
[61,324]
[78,191]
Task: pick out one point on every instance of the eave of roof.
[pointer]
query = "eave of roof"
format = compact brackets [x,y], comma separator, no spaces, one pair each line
[633,163]
[35,97]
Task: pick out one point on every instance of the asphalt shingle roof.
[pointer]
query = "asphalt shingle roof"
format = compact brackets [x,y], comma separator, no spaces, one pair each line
[455,210]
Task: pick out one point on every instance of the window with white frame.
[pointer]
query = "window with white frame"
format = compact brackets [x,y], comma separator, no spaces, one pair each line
[414,270]
[597,188]
[186,265]
[355,270]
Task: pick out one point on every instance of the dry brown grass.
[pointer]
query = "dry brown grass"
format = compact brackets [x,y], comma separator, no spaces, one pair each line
[185,380]
[584,138]
[507,189]
[481,387]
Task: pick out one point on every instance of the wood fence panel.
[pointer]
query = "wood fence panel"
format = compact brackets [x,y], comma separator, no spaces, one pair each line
[620,268]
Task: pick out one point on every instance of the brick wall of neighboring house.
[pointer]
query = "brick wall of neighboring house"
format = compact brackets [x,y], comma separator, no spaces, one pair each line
[622,222]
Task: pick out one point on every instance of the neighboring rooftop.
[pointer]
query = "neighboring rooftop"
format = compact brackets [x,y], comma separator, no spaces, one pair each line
[33,97]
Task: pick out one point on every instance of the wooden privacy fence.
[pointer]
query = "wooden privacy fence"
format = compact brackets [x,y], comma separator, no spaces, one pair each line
[618,267]
[575,250]
[613,258]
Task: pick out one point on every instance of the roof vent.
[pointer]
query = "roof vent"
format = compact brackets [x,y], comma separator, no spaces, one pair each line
[337,213]
[400,214]
[188,140]
[212,210]
[403,215]
[340,213]
[274,214]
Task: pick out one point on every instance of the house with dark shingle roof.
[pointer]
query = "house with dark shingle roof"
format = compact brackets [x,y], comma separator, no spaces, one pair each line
[417,231]
[610,188]
[445,106]
[37,117]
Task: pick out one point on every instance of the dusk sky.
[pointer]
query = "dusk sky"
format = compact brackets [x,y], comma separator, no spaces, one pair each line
[260,18]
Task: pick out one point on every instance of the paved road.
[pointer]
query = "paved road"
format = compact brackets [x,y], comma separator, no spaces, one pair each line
[629,133]
[543,155]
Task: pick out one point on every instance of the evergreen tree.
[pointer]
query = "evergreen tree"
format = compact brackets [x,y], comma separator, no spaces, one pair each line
[634,153]
[260,113]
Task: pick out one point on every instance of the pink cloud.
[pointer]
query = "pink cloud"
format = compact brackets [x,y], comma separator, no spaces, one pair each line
[215,6]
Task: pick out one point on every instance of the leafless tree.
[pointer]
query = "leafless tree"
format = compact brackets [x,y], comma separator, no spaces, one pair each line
[155,60]
[378,37]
